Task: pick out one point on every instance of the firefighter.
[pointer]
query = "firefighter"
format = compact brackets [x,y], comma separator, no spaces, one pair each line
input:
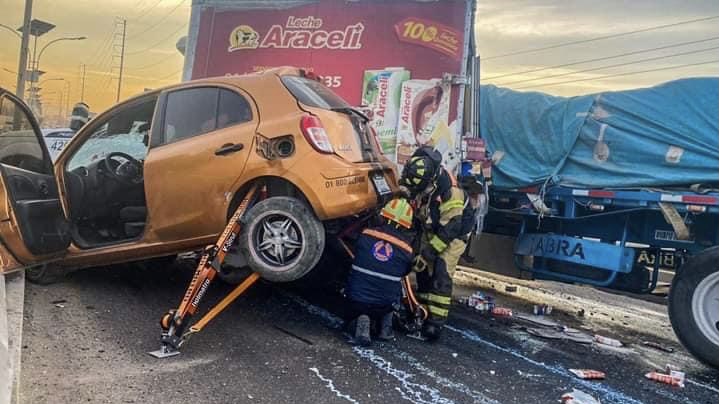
[383,255]
[446,217]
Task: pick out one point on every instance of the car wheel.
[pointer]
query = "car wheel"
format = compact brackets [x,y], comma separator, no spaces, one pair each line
[45,274]
[694,306]
[282,239]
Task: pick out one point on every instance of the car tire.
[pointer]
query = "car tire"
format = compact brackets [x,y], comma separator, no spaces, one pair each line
[45,274]
[282,239]
[694,306]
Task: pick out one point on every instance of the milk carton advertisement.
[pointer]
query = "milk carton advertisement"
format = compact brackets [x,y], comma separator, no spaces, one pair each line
[423,118]
[381,95]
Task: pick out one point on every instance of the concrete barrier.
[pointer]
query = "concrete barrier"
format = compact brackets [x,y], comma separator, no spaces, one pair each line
[12,300]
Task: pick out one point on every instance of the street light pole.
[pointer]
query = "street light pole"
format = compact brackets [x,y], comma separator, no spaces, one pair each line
[11,30]
[82,88]
[37,61]
[22,63]
[67,99]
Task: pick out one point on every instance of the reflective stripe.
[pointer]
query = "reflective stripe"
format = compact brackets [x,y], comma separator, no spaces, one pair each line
[377,274]
[439,299]
[437,243]
[451,204]
[437,311]
[388,238]
[421,296]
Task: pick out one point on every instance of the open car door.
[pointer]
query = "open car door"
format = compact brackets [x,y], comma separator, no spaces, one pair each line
[33,228]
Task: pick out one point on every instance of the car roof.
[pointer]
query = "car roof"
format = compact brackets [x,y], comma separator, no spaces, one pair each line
[248,81]
[254,83]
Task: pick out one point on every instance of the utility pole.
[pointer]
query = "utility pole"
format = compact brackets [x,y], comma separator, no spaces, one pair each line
[22,63]
[122,59]
[82,85]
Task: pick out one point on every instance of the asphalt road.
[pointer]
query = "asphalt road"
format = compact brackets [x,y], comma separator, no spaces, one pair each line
[85,340]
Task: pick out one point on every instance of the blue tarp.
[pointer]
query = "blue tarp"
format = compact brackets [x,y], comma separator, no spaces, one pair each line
[662,136]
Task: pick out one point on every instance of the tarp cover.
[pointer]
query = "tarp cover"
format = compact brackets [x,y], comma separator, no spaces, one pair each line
[662,136]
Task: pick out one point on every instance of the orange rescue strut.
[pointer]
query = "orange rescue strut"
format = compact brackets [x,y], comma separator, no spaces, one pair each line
[174,322]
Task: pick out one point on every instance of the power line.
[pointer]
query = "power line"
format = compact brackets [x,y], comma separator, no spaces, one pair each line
[150,65]
[146,12]
[611,66]
[169,75]
[603,58]
[160,42]
[599,38]
[160,21]
[620,74]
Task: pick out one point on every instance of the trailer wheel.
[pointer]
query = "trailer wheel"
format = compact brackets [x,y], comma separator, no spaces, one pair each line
[282,239]
[694,306]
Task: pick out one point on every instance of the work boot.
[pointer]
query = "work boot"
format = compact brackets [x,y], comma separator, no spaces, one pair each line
[362,331]
[431,331]
[386,333]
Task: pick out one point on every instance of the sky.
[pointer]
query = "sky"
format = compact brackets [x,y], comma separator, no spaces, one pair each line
[503,26]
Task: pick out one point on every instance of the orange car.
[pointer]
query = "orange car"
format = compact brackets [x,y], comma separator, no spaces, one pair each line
[162,172]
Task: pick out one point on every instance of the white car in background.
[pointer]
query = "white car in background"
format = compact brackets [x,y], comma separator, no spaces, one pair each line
[56,139]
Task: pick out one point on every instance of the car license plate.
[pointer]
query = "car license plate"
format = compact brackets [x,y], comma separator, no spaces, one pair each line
[380,183]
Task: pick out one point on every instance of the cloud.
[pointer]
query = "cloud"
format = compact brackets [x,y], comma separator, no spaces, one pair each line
[507,26]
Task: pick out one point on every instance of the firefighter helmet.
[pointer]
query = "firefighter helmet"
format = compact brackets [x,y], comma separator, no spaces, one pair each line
[419,173]
[399,211]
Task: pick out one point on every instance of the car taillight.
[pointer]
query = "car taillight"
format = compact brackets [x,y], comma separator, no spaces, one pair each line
[315,134]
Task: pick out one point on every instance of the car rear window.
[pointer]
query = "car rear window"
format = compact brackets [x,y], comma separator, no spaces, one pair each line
[313,93]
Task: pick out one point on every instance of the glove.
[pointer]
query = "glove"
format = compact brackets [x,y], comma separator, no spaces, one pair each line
[419,264]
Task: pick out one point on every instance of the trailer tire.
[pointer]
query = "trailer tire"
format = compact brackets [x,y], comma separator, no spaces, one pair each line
[282,239]
[694,306]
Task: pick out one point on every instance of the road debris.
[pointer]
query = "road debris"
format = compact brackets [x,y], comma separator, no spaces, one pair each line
[480,302]
[58,301]
[542,309]
[658,346]
[510,288]
[501,312]
[565,333]
[578,397]
[599,339]
[537,320]
[674,380]
[588,374]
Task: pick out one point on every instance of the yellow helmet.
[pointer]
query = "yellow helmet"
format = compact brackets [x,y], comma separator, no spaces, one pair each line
[399,211]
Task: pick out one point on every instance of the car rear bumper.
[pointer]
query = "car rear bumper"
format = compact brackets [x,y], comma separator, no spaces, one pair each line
[343,189]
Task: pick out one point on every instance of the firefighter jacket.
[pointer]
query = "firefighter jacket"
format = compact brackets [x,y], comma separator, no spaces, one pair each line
[450,215]
[383,255]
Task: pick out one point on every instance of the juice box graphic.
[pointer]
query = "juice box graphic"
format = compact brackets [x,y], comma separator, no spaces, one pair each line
[423,116]
[380,94]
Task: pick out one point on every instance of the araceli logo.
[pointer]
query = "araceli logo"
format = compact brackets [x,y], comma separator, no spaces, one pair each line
[297,33]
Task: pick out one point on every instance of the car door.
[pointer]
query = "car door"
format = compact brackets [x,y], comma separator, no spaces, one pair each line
[33,227]
[198,150]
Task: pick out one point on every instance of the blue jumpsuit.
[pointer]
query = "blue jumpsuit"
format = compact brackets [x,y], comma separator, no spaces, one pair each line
[383,255]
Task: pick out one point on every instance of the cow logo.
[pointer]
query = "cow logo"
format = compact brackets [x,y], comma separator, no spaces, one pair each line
[382,251]
[243,37]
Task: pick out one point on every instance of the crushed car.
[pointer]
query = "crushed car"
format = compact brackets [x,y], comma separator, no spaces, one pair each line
[160,173]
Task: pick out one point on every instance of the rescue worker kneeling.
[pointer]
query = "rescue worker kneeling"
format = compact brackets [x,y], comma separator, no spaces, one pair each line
[383,255]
